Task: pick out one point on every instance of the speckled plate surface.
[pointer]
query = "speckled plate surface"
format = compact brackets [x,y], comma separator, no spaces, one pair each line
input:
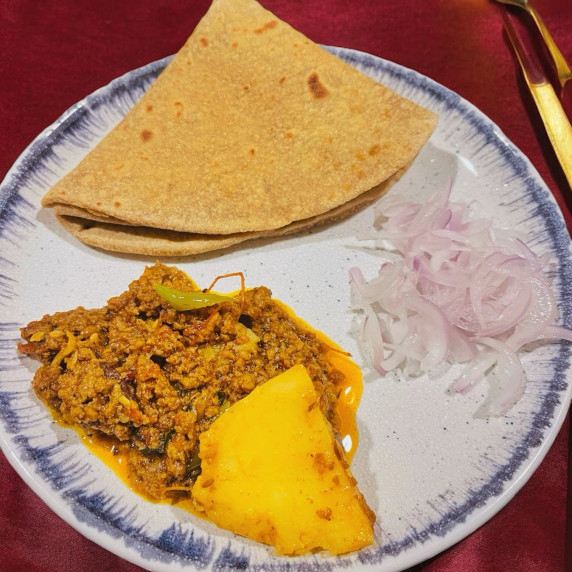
[429,467]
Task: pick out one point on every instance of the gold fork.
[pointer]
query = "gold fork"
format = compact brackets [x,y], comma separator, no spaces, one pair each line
[560,63]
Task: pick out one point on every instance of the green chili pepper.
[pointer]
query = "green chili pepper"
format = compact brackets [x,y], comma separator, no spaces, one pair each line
[189,300]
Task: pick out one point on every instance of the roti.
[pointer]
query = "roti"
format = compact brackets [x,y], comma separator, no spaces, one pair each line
[148,241]
[252,127]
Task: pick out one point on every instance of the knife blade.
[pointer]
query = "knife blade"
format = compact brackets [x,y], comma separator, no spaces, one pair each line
[551,112]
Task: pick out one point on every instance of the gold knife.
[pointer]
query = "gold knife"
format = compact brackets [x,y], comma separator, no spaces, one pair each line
[549,107]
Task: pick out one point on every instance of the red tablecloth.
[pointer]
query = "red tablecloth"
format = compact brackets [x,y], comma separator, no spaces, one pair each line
[55,53]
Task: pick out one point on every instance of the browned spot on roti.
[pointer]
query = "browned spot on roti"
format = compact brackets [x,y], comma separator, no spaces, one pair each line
[317,89]
[267,26]
[149,108]
[204,41]
[146,135]
[374,150]
[116,204]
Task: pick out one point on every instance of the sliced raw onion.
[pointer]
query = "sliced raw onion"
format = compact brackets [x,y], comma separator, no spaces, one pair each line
[453,289]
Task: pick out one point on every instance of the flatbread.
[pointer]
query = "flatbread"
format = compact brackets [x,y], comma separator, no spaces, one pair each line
[150,241]
[251,127]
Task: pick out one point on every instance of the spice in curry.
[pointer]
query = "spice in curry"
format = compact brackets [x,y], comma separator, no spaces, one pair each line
[149,379]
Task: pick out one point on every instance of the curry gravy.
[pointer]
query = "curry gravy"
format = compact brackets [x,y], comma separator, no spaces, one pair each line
[154,378]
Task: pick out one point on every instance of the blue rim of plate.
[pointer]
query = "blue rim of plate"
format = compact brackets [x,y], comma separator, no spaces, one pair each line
[97,517]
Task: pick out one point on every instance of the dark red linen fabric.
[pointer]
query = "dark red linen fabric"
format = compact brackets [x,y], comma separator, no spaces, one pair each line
[54,53]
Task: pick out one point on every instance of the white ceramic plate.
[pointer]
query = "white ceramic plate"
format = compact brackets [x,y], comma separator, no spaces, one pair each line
[430,469]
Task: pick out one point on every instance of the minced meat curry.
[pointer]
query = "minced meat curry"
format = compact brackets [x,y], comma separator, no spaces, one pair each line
[151,379]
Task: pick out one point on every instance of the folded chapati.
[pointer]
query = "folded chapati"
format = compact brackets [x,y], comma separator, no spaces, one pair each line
[251,128]
[149,241]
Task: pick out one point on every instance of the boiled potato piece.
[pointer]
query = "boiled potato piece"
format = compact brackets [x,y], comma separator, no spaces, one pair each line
[273,472]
